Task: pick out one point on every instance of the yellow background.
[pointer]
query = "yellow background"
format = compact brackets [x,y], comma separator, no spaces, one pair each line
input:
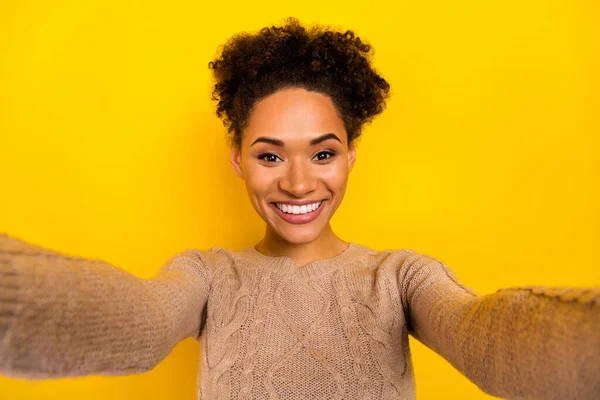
[486,157]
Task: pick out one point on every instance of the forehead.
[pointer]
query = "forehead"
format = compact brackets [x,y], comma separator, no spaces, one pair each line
[294,115]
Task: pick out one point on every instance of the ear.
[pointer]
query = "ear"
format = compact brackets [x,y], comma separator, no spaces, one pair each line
[235,158]
[351,157]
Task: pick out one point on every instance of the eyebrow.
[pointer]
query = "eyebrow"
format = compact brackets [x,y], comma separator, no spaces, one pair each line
[313,142]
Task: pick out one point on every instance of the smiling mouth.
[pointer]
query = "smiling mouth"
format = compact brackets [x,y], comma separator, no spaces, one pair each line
[298,210]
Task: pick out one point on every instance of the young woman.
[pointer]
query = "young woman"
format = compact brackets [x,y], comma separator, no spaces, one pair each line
[303,314]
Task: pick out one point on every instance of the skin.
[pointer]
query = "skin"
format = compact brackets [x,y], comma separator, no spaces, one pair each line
[296,170]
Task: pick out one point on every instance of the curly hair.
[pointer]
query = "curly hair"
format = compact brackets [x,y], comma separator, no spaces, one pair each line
[250,67]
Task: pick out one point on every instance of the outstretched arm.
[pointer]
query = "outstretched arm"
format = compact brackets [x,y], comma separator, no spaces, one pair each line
[529,342]
[66,316]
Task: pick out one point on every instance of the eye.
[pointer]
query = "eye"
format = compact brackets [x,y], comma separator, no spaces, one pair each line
[324,155]
[268,157]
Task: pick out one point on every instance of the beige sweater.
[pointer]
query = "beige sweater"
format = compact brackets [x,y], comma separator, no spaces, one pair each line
[334,329]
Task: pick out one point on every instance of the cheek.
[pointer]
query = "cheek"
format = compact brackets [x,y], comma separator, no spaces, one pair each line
[259,180]
[336,176]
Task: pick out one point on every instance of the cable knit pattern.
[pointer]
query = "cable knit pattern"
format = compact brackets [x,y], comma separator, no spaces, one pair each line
[257,327]
[333,329]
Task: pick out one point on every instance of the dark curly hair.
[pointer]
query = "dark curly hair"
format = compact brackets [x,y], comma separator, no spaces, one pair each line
[252,66]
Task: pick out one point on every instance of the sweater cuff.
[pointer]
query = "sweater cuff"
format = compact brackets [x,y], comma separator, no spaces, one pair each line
[9,300]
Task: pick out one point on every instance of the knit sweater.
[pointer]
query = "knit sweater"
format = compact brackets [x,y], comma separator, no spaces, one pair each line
[336,328]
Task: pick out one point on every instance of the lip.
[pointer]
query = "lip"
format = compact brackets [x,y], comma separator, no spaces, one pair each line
[298,203]
[299,218]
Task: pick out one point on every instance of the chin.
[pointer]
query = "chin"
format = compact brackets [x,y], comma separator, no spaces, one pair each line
[298,235]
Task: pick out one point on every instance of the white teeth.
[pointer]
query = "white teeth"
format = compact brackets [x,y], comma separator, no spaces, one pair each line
[291,209]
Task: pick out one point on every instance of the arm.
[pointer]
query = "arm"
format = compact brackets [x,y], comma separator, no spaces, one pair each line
[529,342]
[64,316]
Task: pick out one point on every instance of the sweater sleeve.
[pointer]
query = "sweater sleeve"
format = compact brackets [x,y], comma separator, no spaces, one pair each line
[529,342]
[67,316]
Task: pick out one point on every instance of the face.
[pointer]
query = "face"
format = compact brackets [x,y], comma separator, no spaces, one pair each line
[295,160]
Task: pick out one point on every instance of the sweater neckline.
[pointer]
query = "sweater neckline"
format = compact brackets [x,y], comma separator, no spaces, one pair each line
[284,264]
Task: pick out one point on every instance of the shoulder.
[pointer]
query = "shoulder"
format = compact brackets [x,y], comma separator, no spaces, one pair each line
[411,268]
[377,259]
[403,263]
[207,262]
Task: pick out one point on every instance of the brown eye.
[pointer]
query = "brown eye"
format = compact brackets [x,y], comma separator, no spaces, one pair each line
[268,157]
[324,155]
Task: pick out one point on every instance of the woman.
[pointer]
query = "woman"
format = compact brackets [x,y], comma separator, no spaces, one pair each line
[303,314]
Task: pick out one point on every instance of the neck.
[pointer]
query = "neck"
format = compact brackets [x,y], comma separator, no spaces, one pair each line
[326,245]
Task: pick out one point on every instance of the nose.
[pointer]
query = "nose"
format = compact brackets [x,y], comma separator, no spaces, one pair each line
[298,179]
